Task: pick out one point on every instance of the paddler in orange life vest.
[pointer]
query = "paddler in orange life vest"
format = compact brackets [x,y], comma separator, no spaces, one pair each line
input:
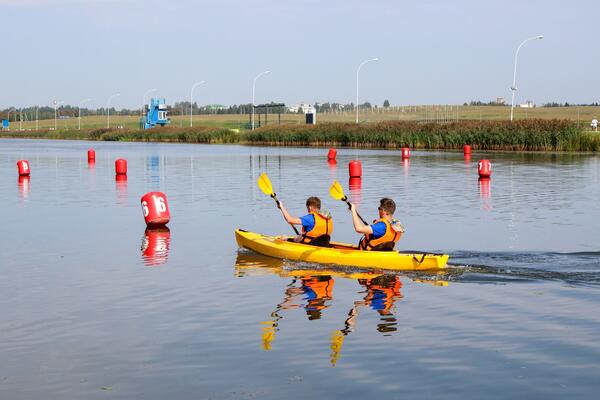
[316,225]
[383,234]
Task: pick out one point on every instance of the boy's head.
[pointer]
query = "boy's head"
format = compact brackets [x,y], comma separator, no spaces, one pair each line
[386,207]
[313,204]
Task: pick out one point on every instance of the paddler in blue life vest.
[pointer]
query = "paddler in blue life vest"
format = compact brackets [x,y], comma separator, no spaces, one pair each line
[383,234]
[316,225]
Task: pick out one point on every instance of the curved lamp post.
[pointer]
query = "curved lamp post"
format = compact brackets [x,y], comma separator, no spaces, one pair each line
[357,72]
[254,91]
[513,88]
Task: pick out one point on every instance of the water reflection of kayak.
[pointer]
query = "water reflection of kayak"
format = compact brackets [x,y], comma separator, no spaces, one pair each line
[252,264]
[338,254]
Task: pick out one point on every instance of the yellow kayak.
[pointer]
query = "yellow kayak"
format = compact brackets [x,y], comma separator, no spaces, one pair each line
[338,254]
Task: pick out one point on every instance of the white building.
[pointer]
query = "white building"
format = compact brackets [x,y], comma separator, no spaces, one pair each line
[527,104]
[304,107]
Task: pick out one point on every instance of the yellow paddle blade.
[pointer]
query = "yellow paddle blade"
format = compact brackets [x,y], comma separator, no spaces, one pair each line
[337,191]
[264,183]
[337,341]
[268,335]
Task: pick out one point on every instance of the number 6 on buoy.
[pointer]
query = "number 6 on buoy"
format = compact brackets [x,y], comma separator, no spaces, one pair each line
[156,209]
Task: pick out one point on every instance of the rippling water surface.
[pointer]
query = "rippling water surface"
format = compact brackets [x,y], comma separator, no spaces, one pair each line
[96,306]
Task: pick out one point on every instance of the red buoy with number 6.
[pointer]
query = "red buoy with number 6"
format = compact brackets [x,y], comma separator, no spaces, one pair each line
[121,166]
[23,167]
[484,168]
[156,209]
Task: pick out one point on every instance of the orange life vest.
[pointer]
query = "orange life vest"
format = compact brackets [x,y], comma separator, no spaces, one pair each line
[323,228]
[385,242]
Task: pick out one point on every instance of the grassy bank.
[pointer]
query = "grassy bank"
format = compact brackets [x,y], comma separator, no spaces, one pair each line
[522,135]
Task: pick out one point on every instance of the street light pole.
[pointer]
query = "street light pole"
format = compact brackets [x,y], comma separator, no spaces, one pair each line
[79,113]
[36,117]
[108,109]
[357,72]
[254,92]
[513,88]
[56,103]
[192,100]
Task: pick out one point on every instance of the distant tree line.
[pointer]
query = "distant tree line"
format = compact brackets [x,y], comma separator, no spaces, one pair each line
[566,104]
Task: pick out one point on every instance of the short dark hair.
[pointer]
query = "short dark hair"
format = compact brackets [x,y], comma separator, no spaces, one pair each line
[313,201]
[387,205]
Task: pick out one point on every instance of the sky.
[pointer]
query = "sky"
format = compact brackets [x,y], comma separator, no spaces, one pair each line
[430,51]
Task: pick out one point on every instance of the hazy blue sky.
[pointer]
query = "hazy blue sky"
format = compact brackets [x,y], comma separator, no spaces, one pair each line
[443,52]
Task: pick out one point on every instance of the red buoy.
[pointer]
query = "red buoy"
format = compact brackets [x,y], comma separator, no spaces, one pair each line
[332,154]
[23,167]
[121,166]
[91,155]
[355,169]
[155,246]
[405,152]
[156,209]
[484,168]
[467,150]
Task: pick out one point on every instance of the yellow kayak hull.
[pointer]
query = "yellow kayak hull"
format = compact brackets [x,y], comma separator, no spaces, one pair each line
[338,254]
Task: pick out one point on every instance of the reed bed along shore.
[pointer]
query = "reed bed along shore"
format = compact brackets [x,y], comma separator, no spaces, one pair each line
[522,135]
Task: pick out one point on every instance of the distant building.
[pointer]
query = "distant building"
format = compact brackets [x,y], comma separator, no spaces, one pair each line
[304,107]
[527,104]
[500,100]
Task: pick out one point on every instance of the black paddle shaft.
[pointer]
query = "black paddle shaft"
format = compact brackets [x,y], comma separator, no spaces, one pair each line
[350,207]
[274,196]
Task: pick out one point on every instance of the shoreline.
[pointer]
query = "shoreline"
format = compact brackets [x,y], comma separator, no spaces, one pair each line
[543,136]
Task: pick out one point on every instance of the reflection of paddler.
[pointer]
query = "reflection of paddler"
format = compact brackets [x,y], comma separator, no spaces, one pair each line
[382,292]
[318,289]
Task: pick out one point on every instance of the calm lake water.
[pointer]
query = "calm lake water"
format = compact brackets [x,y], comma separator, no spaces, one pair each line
[95,307]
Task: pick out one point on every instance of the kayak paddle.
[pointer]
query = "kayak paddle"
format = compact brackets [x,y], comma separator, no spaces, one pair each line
[337,192]
[264,183]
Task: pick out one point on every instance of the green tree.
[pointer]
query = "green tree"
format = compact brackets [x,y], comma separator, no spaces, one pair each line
[386,103]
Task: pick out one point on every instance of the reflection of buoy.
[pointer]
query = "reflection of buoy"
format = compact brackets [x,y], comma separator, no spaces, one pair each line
[155,246]
[405,152]
[466,150]
[23,168]
[121,182]
[332,154]
[156,209]
[484,168]
[485,191]
[467,159]
[91,164]
[121,166]
[355,183]
[24,186]
[91,155]
[355,169]
[121,178]
[355,186]
[406,165]
[332,162]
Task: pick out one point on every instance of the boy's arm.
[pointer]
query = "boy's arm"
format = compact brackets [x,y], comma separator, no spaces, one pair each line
[288,218]
[359,227]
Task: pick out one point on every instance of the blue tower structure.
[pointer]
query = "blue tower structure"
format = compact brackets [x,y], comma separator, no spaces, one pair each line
[156,114]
